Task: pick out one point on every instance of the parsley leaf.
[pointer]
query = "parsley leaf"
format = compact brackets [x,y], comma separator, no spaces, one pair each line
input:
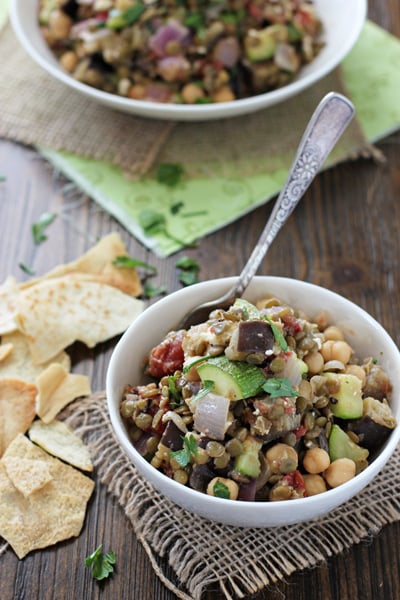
[3,178]
[190,269]
[169,174]
[277,387]
[128,17]
[102,564]
[38,228]
[153,222]
[150,290]
[173,390]
[208,386]
[187,367]
[26,268]
[279,337]
[190,448]
[130,263]
[221,490]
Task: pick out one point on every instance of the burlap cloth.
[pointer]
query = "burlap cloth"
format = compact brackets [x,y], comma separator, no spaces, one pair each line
[253,558]
[38,110]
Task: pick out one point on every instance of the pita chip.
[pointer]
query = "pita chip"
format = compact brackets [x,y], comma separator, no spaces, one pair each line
[98,262]
[57,312]
[60,440]
[5,351]
[18,364]
[27,474]
[17,409]
[50,513]
[57,388]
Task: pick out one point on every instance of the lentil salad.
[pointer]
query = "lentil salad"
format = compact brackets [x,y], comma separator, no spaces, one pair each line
[182,51]
[259,403]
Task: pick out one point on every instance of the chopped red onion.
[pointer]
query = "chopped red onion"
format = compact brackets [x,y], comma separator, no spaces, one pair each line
[173,31]
[211,416]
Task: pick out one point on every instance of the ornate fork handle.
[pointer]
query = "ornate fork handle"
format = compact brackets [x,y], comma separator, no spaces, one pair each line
[328,122]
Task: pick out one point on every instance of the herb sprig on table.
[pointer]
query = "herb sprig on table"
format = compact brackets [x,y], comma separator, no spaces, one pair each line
[102,564]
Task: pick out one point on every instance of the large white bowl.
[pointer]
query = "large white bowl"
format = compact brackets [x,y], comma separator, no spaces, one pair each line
[365,335]
[343,21]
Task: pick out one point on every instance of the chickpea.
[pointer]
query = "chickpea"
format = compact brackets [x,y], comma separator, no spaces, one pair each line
[316,460]
[340,471]
[336,350]
[305,389]
[314,484]
[314,362]
[232,486]
[68,61]
[223,94]
[137,92]
[202,457]
[282,458]
[181,476]
[357,371]
[333,333]
[60,24]
[192,92]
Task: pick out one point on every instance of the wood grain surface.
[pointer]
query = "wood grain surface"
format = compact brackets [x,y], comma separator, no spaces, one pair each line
[344,235]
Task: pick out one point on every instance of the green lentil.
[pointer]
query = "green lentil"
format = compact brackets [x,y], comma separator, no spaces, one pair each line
[215,449]
[143,421]
[234,447]
[127,408]
[222,461]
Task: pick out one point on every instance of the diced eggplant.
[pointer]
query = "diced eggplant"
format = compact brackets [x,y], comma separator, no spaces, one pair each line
[247,491]
[375,425]
[377,384]
[251,342]
[372,435]
[201,477]
[172,437]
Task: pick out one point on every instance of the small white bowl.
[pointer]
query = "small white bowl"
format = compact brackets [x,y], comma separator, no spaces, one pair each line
[365,335]
[342,20]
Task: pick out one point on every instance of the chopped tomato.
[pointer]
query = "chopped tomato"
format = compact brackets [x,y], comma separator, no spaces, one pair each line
[167,357]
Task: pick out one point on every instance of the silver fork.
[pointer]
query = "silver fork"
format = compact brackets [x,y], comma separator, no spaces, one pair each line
[327,123]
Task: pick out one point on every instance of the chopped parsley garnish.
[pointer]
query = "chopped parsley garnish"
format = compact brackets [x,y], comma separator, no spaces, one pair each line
[102,564]
[169,174]
[189,270]
[277,387]
[208,386]
[278,335]
[150,290]
[128,262]
[153,222]
[175,208]
[128,17]
[190,448]
[26,268]
[173,390]
[195,362]
[38,228]
[221,490]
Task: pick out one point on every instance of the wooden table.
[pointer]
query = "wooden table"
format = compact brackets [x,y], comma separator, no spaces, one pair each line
[344,236]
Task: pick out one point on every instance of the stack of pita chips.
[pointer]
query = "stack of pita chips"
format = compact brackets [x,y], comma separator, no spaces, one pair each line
[89,300]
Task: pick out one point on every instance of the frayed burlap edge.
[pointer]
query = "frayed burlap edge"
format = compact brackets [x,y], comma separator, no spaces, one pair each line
[253,558]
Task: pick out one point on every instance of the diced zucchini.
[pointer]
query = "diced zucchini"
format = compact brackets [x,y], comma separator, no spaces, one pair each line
[248,462]
[233,379]
[248,308]
[342,446]
[349,404]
